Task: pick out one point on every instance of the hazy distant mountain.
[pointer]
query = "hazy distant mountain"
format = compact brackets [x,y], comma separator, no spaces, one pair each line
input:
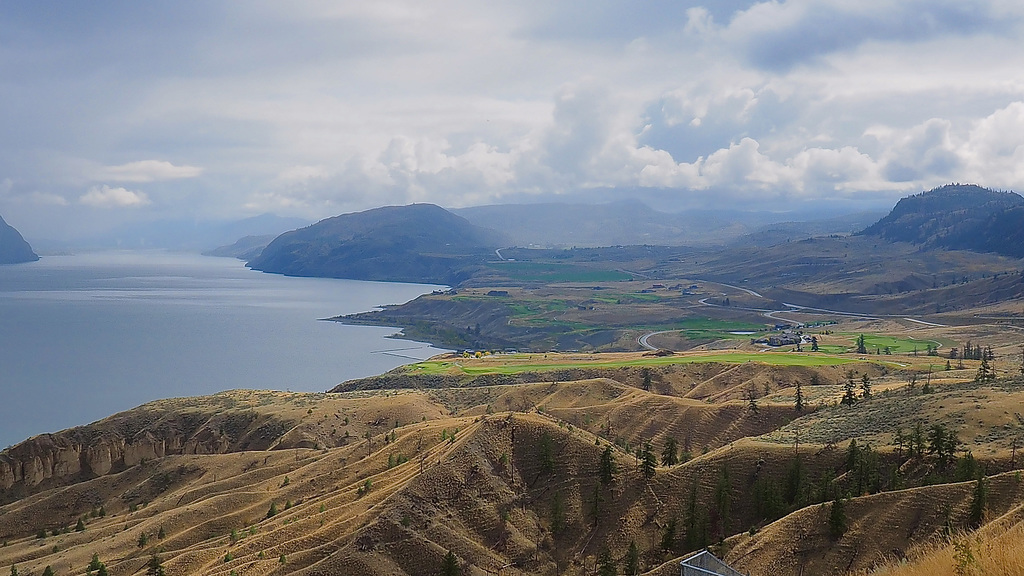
[415,243]
[191,234]
[14,248]
[957,216]
[556,225]
[245,248]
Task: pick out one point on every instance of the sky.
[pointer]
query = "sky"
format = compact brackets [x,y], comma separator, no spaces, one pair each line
[119,112]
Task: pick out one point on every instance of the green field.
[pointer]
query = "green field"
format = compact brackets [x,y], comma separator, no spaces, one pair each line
[550,272]
[878,342]
[710,329]
[776,359]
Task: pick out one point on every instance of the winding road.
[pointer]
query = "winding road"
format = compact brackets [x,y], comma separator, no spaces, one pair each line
[773,314]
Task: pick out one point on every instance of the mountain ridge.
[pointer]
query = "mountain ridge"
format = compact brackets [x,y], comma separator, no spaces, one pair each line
[13,247]
[957,216]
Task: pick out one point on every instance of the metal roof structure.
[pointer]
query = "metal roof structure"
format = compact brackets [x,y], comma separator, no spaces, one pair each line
[706,564]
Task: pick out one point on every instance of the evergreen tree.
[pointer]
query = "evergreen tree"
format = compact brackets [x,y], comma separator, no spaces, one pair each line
[143,540]
[95,563]
[979,501]
[558,513]
[723,502]
[605,564]
[47,571]
[155,566]
[632,561]
[696,522]
[752,400]
[917,440]
[547,453]
[861,345]
[607,466]
[272,511]
[814,343]
[865,386]
[837,519]
[649,461]
[985,372]
[670,454]
[450,565]
[14,570]
[80,527]
[647,378]
[103,571]
[849,396]
[668,536]
[161,534]
[799,402]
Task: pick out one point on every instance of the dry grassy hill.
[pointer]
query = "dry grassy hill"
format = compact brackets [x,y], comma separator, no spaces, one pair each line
[508,477]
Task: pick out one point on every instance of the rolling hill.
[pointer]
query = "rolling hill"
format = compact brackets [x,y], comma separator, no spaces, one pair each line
[959,217]
[416,243]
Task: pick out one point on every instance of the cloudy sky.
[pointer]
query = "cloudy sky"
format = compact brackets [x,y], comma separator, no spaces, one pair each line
[122,111]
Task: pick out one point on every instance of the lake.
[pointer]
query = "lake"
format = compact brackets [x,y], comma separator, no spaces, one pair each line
[85,336]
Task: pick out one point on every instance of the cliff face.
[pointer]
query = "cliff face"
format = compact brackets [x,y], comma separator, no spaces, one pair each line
[13,248]
[210,425]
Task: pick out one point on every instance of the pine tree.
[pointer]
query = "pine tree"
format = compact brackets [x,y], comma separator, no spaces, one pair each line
[80,527]
[849,396]
[668,536]
[47,571]
[95,563]
[985,373]
[799,403]
[861,345]
[154,567]
[547,453]
[607,466]
[814,343]
[450,565]
[752,400]
[865,386]
[979,501]
[605,564]
[143,540]
[647,378]
[273,510]
[670,454]
[649,461]
[632,561]
[837,519]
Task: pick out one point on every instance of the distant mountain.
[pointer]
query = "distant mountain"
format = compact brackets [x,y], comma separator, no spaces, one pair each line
[628,223]
[957,216]
[13,248]
[245,248]
[415,243]
[195,235]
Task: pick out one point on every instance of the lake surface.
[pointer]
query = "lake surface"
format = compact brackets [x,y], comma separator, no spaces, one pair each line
[85,336]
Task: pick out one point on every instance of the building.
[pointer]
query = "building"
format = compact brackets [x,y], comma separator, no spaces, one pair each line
[705,564]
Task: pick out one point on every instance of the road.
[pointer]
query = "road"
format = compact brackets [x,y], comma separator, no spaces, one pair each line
[773,314]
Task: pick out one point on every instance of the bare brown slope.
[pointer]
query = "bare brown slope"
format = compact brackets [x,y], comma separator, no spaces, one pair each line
[881,527]
[222,423]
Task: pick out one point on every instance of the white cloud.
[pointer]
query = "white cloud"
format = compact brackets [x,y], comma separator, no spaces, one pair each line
[106,197]
[146,171]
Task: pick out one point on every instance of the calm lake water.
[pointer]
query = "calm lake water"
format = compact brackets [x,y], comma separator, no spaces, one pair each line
[85,336]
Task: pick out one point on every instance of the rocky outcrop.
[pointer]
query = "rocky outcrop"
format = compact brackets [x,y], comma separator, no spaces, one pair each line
[130,438]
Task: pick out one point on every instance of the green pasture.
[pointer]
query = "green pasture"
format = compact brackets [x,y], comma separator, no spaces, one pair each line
[431,367]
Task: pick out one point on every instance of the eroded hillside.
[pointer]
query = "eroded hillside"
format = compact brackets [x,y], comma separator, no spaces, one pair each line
[519,478]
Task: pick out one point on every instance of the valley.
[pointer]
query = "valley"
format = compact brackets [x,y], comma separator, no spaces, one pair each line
[834,405]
